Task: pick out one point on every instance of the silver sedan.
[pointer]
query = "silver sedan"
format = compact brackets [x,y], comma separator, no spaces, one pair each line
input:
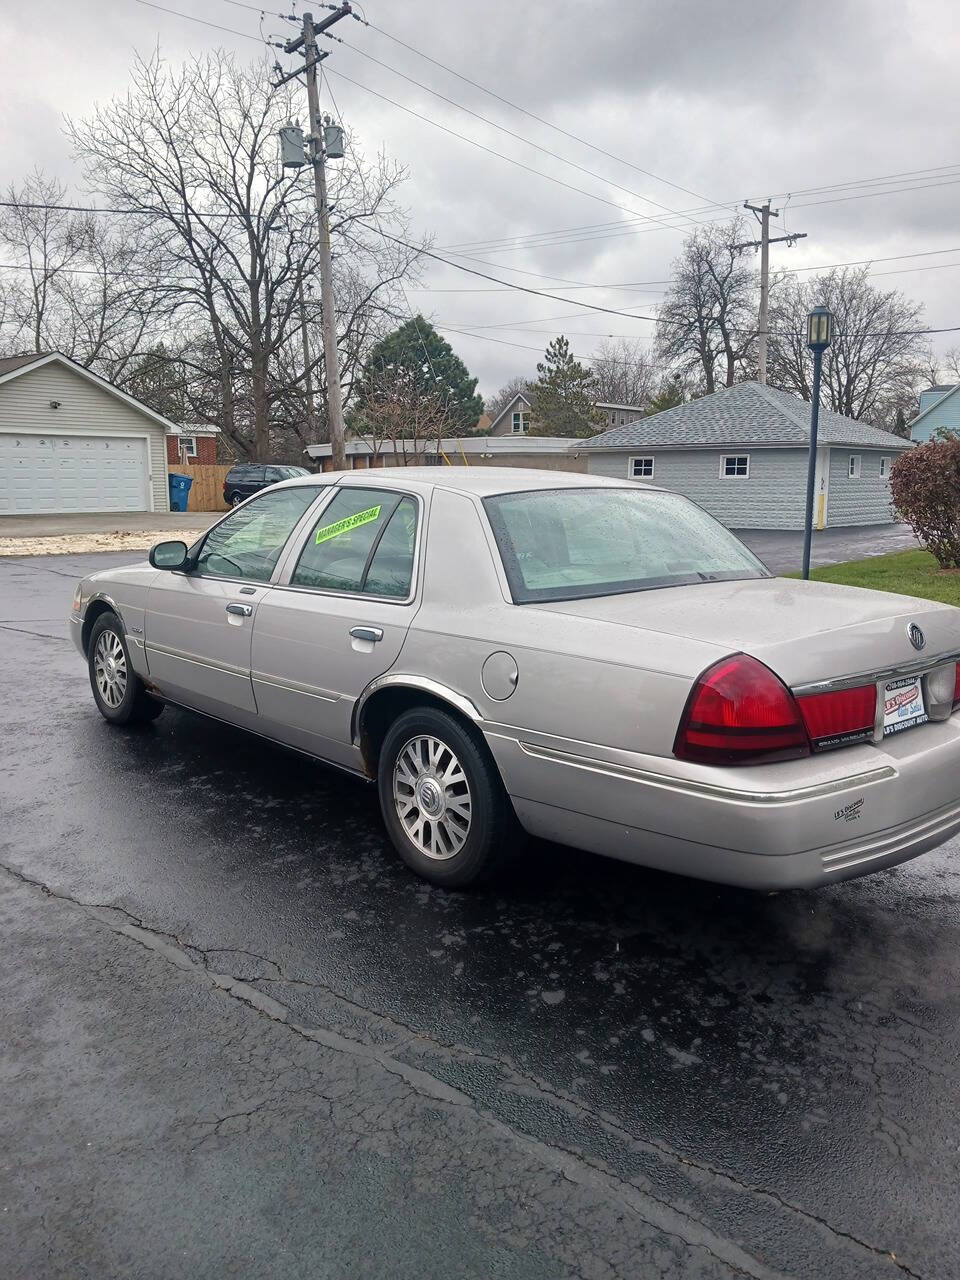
[591,661]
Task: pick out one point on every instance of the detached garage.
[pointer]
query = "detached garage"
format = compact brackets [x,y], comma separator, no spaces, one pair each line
[72,442]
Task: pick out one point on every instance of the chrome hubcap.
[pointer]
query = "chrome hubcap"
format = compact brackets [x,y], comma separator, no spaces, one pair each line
[432,797]
[110,669]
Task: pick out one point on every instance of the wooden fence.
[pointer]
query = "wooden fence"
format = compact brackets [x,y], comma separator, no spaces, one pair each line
[206,492]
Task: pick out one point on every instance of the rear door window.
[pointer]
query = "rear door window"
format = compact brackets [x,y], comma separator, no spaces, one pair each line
[363,541]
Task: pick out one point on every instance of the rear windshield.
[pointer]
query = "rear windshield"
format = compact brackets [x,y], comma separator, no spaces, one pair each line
[563,544]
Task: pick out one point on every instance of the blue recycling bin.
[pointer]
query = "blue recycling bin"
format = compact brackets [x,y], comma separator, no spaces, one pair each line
[179,491]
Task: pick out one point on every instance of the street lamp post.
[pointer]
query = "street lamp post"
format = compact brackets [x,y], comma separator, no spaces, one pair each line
[819,334]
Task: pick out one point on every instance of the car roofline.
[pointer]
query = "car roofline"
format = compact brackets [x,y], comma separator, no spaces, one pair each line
[491,482]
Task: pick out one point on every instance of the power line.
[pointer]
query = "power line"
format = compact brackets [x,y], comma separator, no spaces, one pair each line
[637,195]
[497,154]
[628,315]
[539,119]
[176,13]
[617,229]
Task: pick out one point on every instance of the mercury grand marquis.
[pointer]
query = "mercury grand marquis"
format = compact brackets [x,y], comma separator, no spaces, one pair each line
[591,661]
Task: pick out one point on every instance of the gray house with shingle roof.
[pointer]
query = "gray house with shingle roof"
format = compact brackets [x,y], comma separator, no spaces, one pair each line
[742,454]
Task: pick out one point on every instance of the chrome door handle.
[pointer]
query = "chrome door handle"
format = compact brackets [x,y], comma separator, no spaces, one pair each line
[241,610]
[367,633]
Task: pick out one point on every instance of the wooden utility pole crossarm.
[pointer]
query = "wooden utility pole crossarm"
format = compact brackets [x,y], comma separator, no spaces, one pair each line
[764,213]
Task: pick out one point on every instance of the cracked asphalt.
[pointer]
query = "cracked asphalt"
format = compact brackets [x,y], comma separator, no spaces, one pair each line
[238,1039]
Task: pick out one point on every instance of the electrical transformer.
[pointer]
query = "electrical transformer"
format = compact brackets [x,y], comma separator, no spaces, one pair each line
[292,151]
[333,141]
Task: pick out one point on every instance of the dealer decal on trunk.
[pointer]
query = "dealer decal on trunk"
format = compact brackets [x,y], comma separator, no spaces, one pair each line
[850,812]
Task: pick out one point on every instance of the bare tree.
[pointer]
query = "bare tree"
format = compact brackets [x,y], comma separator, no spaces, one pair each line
[397,409]
[708,321]
[495,404]
[625,372]
[876,361]
[194,152]
[76,284]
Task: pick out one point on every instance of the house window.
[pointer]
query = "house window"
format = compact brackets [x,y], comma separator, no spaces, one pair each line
[519,422]
[885,468]
[613,419]
[623,419]
[188,446]
[641,468]
[735,464]
[853,467]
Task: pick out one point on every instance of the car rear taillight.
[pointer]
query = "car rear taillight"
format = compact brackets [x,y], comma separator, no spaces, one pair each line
[841,717]
[956,689]
[739,712]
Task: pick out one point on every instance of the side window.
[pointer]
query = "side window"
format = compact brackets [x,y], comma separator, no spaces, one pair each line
[391,567]
[248,543]
[363,541]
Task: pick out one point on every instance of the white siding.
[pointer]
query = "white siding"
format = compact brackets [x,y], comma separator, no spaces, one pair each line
[85,409]
[771,497]
[864,500]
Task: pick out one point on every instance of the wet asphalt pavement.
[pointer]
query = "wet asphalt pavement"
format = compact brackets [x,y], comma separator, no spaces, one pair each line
[238,1039]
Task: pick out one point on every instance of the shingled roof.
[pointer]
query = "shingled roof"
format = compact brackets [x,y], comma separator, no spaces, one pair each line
[744,414]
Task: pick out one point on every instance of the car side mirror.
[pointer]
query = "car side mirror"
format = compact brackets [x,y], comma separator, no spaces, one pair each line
[169,555]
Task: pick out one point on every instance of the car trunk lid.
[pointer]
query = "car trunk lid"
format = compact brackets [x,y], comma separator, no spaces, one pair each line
[807,632]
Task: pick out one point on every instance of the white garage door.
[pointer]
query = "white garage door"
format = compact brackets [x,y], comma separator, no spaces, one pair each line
[72,473]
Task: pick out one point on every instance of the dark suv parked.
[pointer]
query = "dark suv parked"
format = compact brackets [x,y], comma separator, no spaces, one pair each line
[247,478]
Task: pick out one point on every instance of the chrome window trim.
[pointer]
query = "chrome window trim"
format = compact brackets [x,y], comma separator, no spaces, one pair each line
[918,667]
[325,491]
[292,557]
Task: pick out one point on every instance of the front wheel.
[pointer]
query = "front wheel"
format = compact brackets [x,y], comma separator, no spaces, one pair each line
[117,689]
[443,801]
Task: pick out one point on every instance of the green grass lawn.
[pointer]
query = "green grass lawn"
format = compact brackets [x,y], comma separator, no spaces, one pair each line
[910,573]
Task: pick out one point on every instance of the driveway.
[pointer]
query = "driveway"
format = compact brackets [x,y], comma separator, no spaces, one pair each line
[240,1039]
[782,552]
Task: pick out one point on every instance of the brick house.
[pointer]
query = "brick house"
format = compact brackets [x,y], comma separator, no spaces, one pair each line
[192,443]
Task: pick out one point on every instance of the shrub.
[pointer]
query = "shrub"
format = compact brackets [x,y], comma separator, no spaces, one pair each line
[925,486]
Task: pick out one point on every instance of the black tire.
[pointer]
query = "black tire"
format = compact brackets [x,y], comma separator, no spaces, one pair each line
[492,832]
[235,499]
[133,705]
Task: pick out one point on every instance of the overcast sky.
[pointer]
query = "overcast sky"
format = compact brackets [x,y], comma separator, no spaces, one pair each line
[726,101]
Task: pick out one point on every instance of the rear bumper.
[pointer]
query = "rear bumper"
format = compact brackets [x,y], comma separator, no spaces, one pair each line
[798,824]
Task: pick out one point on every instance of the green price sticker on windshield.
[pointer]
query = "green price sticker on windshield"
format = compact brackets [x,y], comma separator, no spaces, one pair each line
[344,526]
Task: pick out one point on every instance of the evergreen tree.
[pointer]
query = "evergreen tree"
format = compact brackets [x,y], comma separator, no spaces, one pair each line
[562,396]
[670,394]
[432,367]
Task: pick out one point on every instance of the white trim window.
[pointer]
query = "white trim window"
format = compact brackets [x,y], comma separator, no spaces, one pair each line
[188,446]
[735,466]
[641,469]
[885,464]
[519,422]
[853,467]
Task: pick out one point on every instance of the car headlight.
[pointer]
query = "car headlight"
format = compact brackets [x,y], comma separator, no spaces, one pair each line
[77,598]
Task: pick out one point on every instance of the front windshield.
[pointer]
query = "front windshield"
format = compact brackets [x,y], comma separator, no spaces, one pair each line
[563,544]
[288,473]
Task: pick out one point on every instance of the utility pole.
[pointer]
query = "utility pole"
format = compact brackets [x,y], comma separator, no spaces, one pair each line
[328,315]
[307,374]
[764,213]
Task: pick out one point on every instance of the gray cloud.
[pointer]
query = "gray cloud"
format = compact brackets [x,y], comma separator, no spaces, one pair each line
[727,99]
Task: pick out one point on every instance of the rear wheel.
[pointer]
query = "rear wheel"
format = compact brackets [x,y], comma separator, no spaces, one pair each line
[117,689]
[236,499]
[442,800]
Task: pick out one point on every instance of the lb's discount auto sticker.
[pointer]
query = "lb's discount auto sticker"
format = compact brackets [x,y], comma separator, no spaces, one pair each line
[348,522]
